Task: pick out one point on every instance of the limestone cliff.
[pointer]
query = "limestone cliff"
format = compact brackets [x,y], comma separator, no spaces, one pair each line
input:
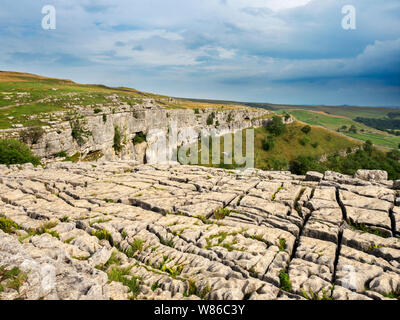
[86,132]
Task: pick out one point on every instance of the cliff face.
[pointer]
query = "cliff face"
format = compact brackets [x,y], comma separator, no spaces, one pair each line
[110,134]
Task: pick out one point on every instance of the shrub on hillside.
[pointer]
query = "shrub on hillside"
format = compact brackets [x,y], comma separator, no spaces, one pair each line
[306,129]
[32,135]
[16,152]
[277,127]
[304,141]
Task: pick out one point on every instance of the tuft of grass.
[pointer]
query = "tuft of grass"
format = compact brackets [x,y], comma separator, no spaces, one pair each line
[155,286]
[74,158]
[191,288]
[14,278]
[285,283]
[392,295]
[61,154]
[99,221]
[365,229]
[45,228]
[312,296]
[136,246]
[221,213]
[282,245]
[8,225]
[102,234]
[204,219]
[205,292]
[122,275]
[69,240]
[167,242]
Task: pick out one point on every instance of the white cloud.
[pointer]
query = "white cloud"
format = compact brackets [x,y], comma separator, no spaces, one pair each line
[225,53]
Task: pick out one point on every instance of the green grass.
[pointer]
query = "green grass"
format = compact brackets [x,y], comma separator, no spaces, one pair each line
[167,242]
[313,296]
[282,245]
[137,246]
[285,283]
[123,275]
[221,213]
[21,115]
[7,225]
[365,229]
[45,228]
[288,147]
[13,278]
[191,288]
[102,234]
[392,295]
[334,123]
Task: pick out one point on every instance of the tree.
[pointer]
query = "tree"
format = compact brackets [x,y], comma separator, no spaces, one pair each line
[368,146]
[16,152]
[306,129]
[277,127]
[353,129]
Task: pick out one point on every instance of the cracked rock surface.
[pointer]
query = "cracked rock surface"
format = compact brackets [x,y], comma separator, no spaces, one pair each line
[115,230]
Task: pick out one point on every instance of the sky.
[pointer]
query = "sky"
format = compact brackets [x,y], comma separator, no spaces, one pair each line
[275,51]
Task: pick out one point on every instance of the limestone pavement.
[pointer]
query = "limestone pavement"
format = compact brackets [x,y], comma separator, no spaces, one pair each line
[118,230]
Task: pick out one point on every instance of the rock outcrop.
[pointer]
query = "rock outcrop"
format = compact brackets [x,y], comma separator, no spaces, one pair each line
[117,230]
[91,133]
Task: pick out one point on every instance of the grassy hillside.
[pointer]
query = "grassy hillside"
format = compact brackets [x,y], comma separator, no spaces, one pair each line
[23,97]
[294,143]
[335,123]
[290,145]
[334,117]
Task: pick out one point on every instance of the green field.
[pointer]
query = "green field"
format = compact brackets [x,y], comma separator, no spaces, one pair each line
[334,123]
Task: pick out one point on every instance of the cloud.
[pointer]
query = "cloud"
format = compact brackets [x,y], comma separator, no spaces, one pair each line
[209,48]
